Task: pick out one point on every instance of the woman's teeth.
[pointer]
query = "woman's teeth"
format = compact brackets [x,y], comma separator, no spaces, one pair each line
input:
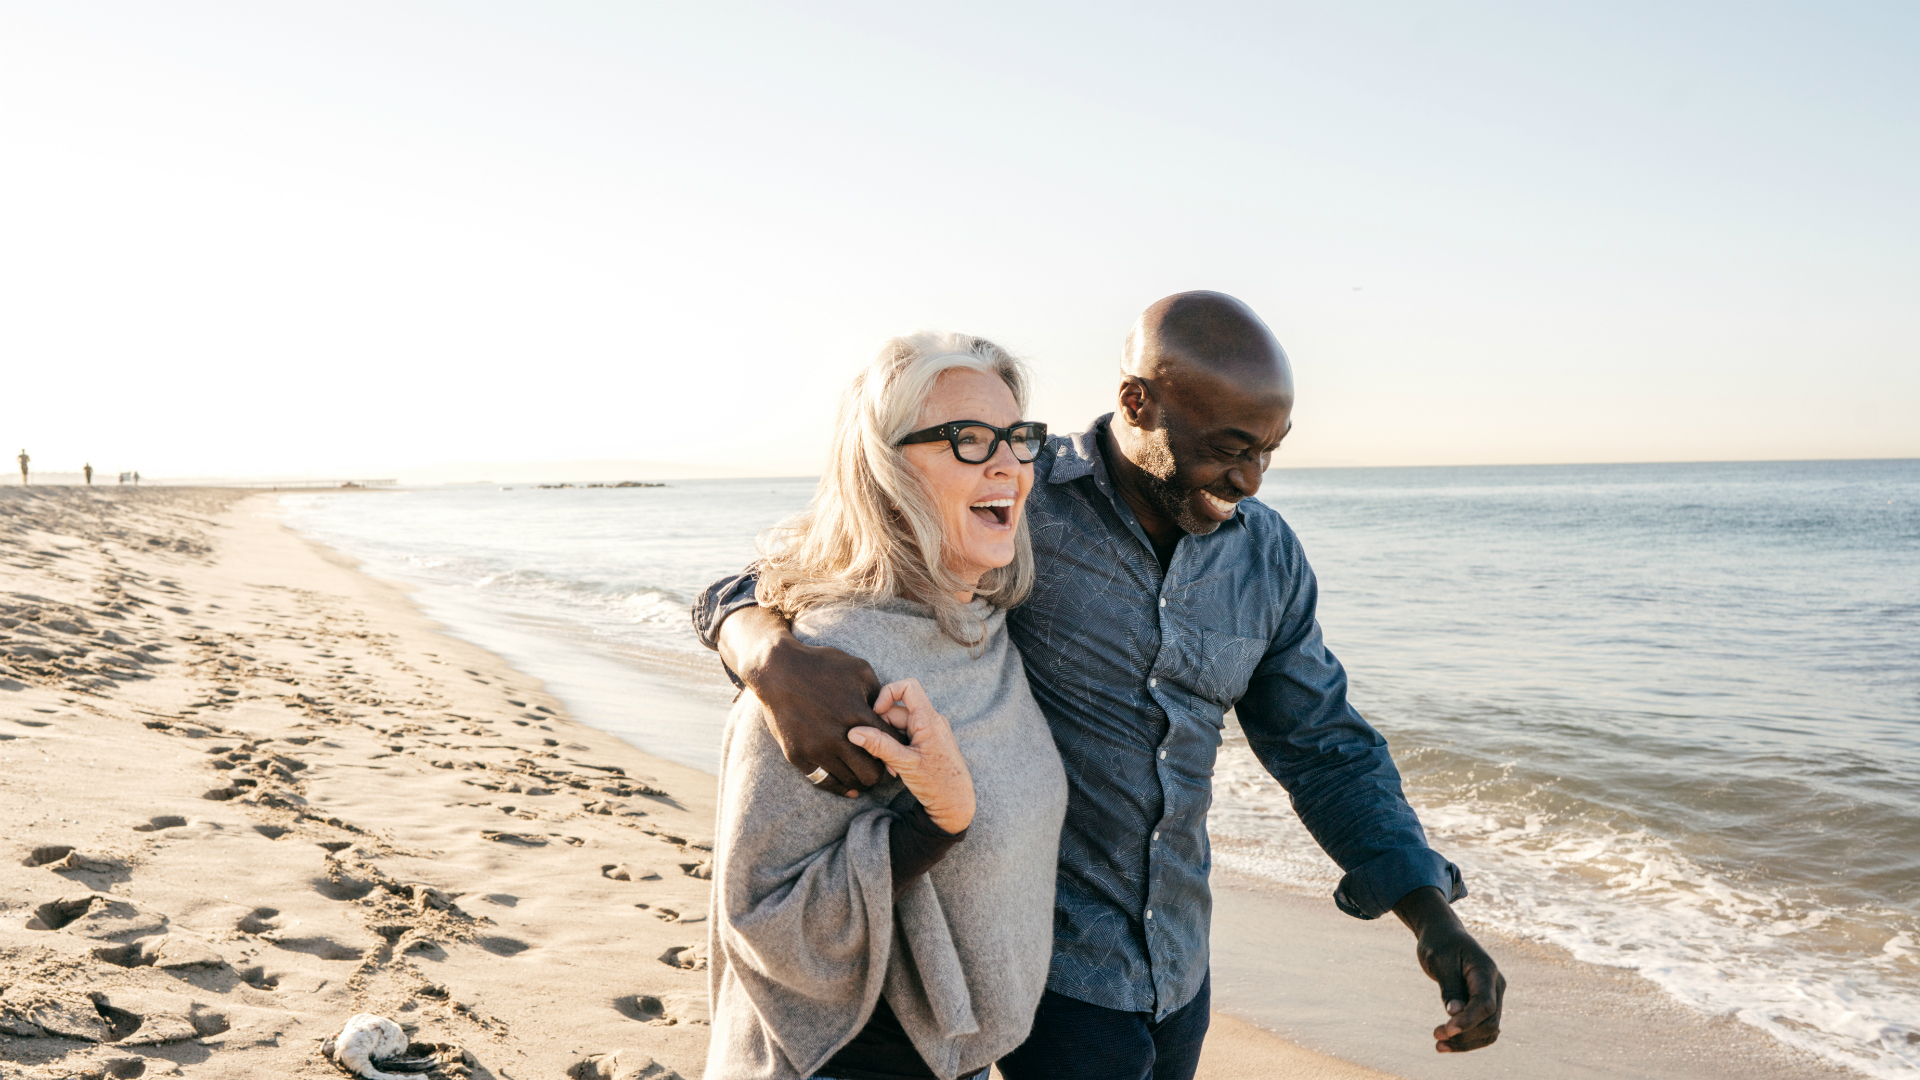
[1218,505]
[994,510]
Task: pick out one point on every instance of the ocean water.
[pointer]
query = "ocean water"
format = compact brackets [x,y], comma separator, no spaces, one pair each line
[1664,716]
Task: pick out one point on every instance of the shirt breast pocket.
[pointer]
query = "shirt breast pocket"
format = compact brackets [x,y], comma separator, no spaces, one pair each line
[1226,663]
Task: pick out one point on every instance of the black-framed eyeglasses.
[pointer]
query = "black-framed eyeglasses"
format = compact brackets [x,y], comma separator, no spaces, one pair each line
[975,442]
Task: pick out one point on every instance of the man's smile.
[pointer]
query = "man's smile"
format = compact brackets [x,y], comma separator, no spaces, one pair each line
[1219,508]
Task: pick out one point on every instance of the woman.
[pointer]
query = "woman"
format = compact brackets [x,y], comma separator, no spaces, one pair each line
[904,932]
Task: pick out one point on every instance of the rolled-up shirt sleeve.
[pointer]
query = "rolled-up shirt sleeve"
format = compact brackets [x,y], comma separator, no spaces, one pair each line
[715,603]
[1336,768]
[721,599]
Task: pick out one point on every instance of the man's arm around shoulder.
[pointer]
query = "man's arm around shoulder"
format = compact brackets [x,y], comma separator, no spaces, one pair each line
[813,694]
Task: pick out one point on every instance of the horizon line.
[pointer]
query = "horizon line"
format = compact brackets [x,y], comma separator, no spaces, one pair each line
[74,478]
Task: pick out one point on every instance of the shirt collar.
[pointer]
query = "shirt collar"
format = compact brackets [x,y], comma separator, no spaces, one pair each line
[1078,455]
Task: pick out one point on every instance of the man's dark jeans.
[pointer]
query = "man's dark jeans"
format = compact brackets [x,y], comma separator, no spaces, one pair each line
[1072,1040]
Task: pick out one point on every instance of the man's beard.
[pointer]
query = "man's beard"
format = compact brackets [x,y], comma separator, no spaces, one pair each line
[1160,485]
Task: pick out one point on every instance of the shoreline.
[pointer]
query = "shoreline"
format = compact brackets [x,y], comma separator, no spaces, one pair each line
[1293,964]
[404,756]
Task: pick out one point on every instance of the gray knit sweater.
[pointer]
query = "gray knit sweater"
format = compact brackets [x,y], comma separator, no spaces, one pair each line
[806,930]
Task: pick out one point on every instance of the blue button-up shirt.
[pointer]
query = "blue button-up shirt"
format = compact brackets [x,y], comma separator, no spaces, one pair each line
[1135,669]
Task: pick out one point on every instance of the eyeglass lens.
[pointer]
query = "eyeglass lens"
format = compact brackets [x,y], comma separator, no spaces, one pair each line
[974,443]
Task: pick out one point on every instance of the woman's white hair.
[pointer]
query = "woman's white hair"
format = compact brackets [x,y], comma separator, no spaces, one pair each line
[872,530]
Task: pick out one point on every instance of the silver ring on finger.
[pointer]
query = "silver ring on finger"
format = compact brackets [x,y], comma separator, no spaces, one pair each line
[817,777]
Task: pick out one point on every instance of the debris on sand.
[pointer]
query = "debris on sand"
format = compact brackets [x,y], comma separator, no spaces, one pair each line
[370,1044]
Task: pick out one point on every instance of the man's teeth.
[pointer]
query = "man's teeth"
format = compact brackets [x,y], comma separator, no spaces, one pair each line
[1217,502]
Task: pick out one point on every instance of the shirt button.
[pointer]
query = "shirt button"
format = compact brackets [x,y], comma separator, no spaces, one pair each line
[1163,601]
[1156,836]
[1149,913]
[1153,682]
[1163,755]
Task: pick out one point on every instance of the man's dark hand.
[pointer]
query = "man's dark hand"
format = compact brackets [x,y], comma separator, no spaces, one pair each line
[813,695]
[1471,986]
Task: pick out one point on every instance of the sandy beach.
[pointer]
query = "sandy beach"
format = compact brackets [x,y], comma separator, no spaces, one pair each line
[250,791]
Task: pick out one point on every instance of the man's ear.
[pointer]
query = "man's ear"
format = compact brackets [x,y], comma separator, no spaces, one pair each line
[1137,406]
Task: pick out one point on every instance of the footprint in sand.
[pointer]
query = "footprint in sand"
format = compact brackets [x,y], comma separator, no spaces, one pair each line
[686,957]
[259,921]
[62,913]
[164,821]
[672,915]
[620,1065]
[168,952]
[343,887]
[663,1010]
[516,839]
[258,978]
[240,786]
[93,871]
[502,946]
[323,947]
[623,872]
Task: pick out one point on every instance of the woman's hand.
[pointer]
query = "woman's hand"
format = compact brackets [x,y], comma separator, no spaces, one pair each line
[930,764]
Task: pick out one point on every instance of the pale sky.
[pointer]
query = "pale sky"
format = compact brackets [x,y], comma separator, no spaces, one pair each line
[344,239]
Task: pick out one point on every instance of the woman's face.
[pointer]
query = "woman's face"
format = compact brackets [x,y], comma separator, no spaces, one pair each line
[979,505]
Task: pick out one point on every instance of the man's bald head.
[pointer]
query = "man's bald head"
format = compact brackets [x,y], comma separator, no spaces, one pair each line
[1206,396]
[1195,339]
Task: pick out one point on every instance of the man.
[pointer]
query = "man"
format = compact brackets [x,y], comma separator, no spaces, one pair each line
[24,460]
[1164,598]
[88,469]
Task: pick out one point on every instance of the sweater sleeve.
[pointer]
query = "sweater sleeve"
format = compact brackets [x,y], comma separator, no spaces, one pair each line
[916,844]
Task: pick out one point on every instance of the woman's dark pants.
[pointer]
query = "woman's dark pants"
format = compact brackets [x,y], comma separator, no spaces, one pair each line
[1073,1040]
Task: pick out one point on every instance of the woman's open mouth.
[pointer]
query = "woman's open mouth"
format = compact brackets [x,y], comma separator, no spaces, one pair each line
[997,512]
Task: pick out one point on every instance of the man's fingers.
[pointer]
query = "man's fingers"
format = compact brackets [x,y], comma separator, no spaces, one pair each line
[849,769]
[855,764]
[1486,988]
[1476,1021]
[839,780]
[1467,1040]
[1477,1012]
[833,785]
[1453,991]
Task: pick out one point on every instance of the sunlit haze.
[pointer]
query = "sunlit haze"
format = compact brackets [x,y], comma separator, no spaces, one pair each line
[352,239]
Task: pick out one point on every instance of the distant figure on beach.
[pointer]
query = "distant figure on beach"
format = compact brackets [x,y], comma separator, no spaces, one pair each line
[1165,596]
[136,478]
[905,934]
[24,460]
[88,470]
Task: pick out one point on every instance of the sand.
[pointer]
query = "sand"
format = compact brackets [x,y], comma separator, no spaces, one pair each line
[249,792]
[1294,965]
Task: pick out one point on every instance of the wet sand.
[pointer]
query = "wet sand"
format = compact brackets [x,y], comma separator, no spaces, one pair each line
[1295,965]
